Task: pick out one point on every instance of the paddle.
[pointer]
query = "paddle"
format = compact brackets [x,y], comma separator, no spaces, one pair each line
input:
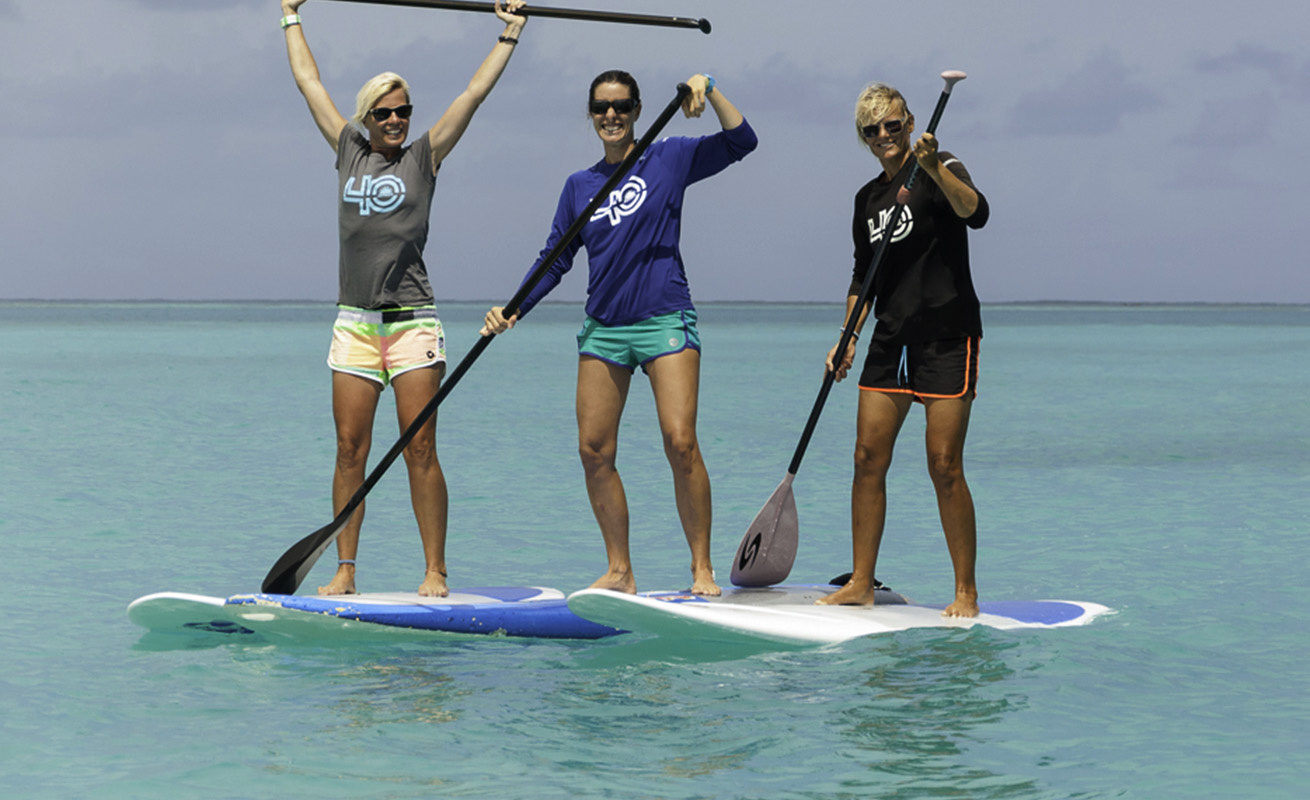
[295,563]
[768,549]
[558,13]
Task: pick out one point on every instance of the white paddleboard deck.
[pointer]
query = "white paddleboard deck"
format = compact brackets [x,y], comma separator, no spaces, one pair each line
[787,614]
[533,611]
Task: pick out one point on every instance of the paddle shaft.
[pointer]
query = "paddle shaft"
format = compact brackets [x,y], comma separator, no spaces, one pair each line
[866,288]
[558,13]
[295,563]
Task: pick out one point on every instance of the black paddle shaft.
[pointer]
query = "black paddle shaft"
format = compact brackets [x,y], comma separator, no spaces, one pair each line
[295,563]
[558,13]
[866,289]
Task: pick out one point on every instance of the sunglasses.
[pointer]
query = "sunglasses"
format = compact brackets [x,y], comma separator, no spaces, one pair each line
[624,106]
[382,114]
[892,126]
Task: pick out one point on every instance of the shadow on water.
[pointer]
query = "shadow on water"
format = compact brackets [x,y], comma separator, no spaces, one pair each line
[903,715]
[928,697]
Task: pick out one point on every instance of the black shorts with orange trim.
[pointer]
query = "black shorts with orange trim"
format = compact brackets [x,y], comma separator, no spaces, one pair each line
[929,370]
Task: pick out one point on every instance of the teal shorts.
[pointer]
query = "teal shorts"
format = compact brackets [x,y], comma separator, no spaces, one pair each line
[638,344]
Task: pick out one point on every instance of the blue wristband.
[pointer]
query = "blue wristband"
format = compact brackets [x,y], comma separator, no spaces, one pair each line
[709,82]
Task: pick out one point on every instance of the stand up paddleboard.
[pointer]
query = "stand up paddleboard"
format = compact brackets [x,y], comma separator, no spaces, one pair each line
[531,611]
[787,615]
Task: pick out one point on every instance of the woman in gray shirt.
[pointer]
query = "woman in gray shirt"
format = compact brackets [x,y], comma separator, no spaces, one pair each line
[387,330]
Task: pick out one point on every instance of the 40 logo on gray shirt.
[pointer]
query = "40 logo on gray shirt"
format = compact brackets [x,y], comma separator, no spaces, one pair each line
[376,195]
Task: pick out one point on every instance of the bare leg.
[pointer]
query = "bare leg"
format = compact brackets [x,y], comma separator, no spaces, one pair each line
[675,380]
[427,483]
[602,393]
[354,402]
[878,422]
[948,423]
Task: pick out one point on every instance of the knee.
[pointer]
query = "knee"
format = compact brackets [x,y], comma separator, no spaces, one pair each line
[352,453]
[596,455]
[421,452]
[871,461]
[682,449]
[946,470]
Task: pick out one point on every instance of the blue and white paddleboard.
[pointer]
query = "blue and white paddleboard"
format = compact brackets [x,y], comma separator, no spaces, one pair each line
[787,615]
[531,611]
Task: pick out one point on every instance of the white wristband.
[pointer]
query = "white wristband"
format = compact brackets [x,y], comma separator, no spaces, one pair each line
[288,21]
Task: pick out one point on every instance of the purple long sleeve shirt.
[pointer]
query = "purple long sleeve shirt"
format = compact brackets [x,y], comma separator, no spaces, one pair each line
[636,269]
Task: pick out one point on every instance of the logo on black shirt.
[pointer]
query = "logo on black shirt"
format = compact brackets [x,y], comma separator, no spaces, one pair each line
[902,230]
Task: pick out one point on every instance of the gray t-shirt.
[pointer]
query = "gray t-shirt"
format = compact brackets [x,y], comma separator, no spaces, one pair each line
[383,220]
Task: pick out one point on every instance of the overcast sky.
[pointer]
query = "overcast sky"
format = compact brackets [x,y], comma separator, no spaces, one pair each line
[1131,151]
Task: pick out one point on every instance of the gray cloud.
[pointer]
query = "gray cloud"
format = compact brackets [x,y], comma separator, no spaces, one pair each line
[1094,99]
[206,7]
[1288,73]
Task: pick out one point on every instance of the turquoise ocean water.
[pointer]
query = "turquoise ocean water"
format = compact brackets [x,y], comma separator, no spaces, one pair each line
[1152,458]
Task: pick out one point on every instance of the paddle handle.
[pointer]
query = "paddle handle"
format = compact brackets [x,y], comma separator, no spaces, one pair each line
[295,563]
[558,13]
[865,297]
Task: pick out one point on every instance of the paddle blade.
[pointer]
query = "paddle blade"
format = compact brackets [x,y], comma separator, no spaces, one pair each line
[298,560]
[768,549]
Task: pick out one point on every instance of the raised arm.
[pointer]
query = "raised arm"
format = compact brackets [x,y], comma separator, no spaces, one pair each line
[446,133]
[963,200]
[305,71]
[694,104]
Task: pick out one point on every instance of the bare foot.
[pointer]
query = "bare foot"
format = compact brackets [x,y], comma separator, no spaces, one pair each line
[342,583]
[702,582]
[965,605]
[854,593]
[616,581]
[434,584]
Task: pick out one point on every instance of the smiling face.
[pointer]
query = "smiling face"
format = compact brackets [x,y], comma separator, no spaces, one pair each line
[889,147]
[389,134]
[613,127]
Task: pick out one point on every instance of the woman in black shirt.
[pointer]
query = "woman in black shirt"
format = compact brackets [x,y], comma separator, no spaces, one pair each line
[924,346]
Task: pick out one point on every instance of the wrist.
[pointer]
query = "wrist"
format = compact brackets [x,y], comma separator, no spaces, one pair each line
[290,19]
[709,82]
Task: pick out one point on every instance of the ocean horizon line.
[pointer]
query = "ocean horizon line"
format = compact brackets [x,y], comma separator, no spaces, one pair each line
[15,301]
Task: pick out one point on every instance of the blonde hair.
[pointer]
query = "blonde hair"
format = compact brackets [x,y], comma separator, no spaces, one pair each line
[377,87]
[876,102]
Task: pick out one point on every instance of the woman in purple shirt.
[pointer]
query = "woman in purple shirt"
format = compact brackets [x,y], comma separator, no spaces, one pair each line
[639,310]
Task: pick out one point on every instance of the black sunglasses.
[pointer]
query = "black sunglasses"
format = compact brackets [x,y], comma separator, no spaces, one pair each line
[892,126]
[382,114]
[623,106]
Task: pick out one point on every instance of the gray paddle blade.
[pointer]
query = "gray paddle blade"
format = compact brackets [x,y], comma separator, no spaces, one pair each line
[768,549]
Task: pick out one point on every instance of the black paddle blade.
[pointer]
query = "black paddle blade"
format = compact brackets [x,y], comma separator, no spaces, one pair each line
[298,560]
[768,549]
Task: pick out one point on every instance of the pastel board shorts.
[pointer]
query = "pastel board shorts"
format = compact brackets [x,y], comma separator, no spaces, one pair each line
[381,344]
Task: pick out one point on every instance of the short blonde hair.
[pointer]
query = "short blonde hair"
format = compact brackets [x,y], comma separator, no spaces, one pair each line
[876,102]
[377,87]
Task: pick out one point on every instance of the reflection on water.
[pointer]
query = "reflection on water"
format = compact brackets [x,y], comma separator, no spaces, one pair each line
[914,714]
